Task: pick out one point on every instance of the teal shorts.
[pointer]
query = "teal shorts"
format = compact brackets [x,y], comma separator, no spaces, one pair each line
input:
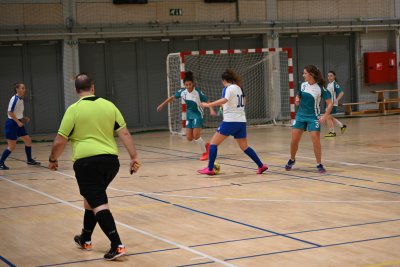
[334,110]
[194,123]
[311,125]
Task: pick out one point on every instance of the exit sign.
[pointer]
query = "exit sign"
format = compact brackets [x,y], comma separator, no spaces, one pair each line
[175,12]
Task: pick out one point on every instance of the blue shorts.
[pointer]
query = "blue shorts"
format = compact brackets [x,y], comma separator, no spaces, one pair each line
[334,110]
[236,129]
[307,124]
[13,131]
[194,123]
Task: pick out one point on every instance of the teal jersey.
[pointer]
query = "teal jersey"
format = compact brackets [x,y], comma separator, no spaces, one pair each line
[334,89]
[192,100]
[310,99]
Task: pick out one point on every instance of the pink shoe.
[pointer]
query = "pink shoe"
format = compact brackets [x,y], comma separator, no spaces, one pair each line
[205,154]
[262,169]
[206,171]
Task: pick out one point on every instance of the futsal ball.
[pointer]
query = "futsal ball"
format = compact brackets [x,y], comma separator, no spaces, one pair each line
[217,168]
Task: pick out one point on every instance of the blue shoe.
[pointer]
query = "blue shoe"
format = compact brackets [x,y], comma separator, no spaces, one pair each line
[321,168]
[290,164]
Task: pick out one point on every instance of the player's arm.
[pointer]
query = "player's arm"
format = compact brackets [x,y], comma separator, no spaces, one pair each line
[56,151]
[218,102]
[329,106]
[14,118]
[166,101]
[341,94]
[127,140]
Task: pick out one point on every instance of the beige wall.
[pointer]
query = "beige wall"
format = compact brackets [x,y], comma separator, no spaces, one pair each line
[334,9]
[95,12]
[31,14]
[193,11]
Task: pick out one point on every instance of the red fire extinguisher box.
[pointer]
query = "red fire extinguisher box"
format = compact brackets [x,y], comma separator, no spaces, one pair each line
[380,67]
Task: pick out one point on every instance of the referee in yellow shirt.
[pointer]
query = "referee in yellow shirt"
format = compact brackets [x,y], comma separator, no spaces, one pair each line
[90,124]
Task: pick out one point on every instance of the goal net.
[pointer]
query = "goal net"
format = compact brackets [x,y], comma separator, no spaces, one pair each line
[266,79]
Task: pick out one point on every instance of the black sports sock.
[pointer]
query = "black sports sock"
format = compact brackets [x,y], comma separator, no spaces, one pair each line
[107,224]
[89,223]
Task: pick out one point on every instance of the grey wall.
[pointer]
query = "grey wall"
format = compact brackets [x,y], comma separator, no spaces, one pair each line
[327,53]
[38,65]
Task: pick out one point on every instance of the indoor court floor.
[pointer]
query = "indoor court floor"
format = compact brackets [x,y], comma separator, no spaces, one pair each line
[168,215]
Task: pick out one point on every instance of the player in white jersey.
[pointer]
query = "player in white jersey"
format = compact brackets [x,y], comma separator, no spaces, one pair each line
[308,116]
[15,127]
[234,122]
[193,97]
[336,94]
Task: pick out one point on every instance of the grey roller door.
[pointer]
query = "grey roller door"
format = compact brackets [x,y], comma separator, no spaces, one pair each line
[124,81]
[92,61]
[38,65]
[309,52]
[155,81]
[47,104]
[11,71]
[338,59]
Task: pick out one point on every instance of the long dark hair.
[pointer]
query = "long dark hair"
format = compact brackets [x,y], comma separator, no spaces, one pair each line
[334,74]
[316,73]
[232,77]
[188,77]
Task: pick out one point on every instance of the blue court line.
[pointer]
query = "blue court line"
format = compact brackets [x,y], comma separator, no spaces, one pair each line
[339,227]
[224,157]
[195,264]
[375,189]
[283,173]
[389,183]
[27,206]
[298,232]
[230,220]
[231,241]
[323,246]
[102,259]
[7,261]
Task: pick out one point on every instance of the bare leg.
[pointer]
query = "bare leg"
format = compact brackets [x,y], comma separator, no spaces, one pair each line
[315,137]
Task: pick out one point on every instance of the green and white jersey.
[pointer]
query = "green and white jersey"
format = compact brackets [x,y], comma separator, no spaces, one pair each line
[310,99]
[192,100]
[334,89]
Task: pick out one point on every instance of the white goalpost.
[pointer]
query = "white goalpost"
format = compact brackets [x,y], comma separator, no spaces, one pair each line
[266,79]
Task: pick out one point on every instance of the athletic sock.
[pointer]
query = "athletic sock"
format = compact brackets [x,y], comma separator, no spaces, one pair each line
[253,155]
[28,151]
[89,223]
[107,224]
[5,155]
[338,123]
[212,156]
[331,130]
[201,144]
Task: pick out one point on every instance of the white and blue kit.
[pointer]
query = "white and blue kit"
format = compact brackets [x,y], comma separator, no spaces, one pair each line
[309,111]
[12,130]
[334,89]
[234,122]
[194,111]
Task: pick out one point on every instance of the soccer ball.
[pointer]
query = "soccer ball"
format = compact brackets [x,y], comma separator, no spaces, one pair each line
[217,168]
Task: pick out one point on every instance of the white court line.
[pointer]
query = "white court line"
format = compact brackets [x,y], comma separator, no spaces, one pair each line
[341,162]
[123,224]
[258,200]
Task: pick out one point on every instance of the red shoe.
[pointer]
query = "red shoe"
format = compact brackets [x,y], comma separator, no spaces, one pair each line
[206,171]
[262,169]
[205,154]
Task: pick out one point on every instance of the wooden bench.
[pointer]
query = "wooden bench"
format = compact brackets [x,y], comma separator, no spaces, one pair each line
[349,111]
[382,102]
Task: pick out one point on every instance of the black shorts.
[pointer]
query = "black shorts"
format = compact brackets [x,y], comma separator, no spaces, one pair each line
[93,175]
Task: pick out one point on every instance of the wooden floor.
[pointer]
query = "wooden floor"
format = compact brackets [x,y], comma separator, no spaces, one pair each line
[168,215]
